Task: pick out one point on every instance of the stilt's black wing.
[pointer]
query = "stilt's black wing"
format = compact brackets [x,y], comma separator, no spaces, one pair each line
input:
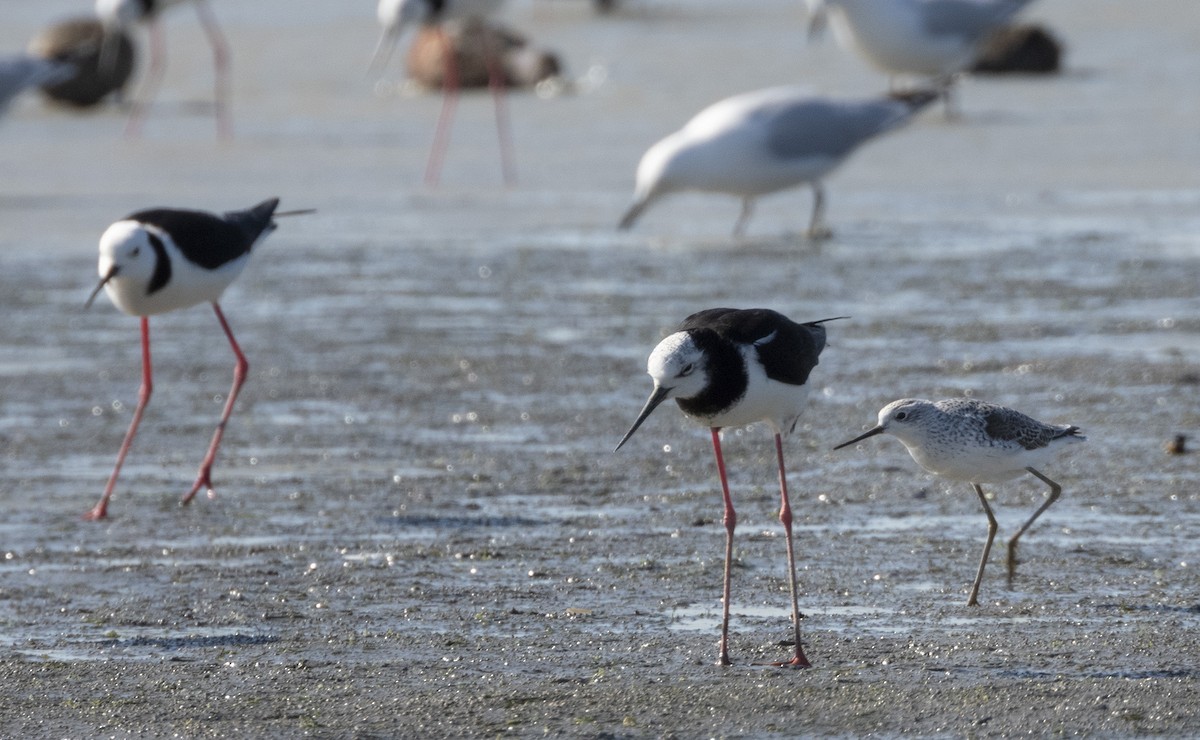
[788,351]
[207,239]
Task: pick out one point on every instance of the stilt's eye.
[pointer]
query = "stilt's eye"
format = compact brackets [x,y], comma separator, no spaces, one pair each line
[687,370]
[136,251]
[902,416]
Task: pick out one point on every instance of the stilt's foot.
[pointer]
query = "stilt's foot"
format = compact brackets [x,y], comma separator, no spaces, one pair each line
[723,660]
[972,601]
[204,481]
[819,234]
[96,513]
[799,661]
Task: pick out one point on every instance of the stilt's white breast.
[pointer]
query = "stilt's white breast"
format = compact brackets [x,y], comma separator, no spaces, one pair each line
[143,285]
[766,400]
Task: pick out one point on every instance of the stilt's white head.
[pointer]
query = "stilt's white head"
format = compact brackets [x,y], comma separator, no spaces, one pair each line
[130,263]
[678,366]
[679,369]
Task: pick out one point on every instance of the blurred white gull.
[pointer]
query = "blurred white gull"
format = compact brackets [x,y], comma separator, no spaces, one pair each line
[930,38]
[764,141]
[21,72]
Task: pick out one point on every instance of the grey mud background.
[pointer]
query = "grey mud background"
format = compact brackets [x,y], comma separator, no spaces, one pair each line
[420,527]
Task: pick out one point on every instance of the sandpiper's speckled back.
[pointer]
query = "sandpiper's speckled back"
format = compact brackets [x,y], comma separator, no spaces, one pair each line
[966,439]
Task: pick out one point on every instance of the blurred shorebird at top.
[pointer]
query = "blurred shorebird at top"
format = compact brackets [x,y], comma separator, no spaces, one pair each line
[761,142]
[22,72]
[123,14]
[935,39]
[397,15]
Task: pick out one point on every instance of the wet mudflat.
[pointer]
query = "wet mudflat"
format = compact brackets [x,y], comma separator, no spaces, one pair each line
[420,527]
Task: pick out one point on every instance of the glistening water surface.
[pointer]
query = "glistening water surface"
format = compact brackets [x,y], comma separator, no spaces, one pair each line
[419,522]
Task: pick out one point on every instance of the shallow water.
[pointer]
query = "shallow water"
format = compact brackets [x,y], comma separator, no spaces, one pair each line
[419,522]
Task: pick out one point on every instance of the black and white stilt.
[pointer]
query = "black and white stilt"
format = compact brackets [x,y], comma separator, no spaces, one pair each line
[397,15]
[123,14]
[727,367]
[164,259]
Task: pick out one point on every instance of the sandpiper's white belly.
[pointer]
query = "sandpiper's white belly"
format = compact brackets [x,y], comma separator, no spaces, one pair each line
[989,463]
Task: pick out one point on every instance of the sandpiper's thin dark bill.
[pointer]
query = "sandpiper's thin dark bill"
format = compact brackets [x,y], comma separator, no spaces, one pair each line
[866,435]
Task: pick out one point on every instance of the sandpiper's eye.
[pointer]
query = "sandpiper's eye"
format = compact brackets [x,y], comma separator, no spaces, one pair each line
[136,251]
[902,416]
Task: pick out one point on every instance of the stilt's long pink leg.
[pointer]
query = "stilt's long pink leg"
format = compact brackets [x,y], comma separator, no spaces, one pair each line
[100,510]
[204,479]
[730,521]
[154,77]
[785,517]
[221,63]
[450,88]
[499,87]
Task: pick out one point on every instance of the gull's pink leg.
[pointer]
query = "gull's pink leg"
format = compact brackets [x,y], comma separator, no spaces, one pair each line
[730,522]
[100,510]
[204,479]
[441,136]
[499,87]
[785,516]
[221,65]
[154,77]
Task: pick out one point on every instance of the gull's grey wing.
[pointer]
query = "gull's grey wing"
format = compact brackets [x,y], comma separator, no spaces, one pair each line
[968,19]
[817,127]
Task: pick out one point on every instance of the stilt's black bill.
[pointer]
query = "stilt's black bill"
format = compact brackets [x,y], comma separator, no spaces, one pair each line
[112,273]
[861,437]
[658,396]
